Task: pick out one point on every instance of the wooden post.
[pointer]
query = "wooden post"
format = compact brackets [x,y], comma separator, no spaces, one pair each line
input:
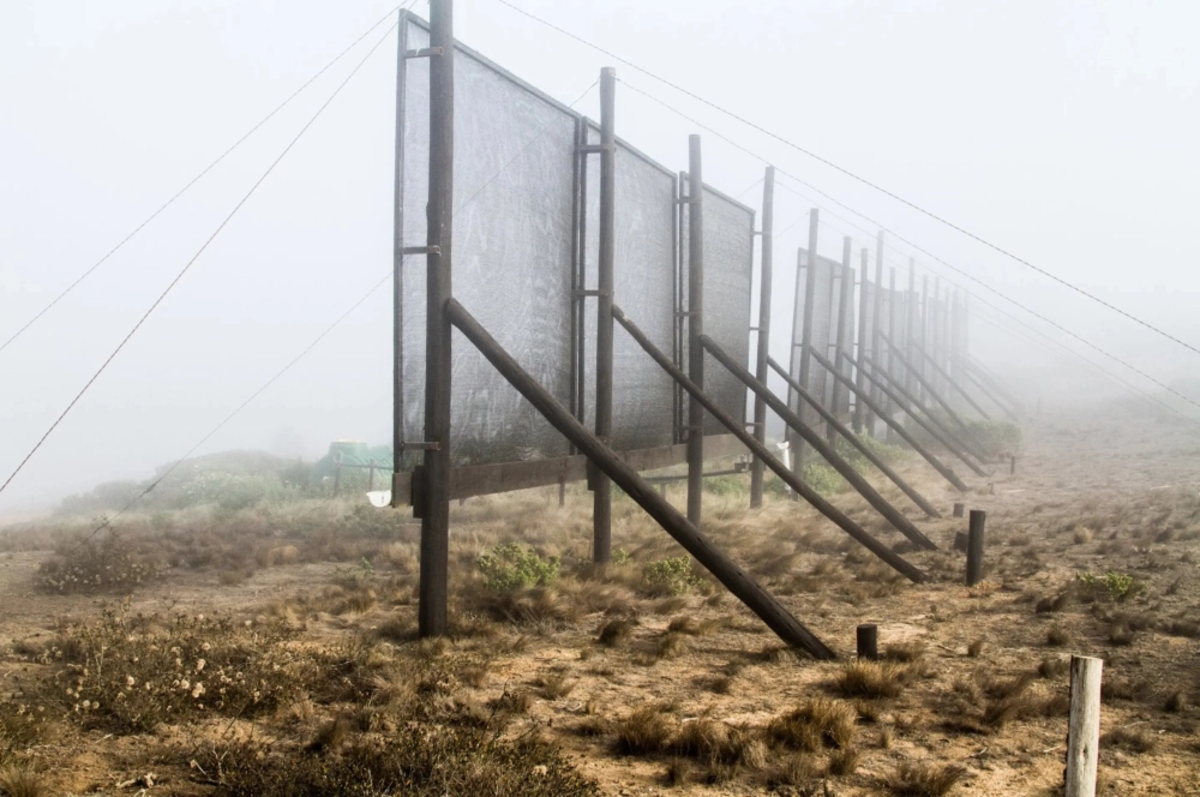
[1012,465]
[601,486]
[432,610]
[398,266]
[695,320]
[904,434]
[881,504]
[975,547]
[786,475]
[810,298]
[762,370]
[337,476]
[868,641]
[736,580]
[877,317]
[958,509]
[911,322]
[1083,727]
[861,419]
[845,303]
[371,476]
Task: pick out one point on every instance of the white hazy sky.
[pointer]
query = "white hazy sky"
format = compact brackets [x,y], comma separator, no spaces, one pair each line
[1062,131]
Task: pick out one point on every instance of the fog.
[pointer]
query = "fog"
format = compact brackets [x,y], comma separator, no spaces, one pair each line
[1061,132]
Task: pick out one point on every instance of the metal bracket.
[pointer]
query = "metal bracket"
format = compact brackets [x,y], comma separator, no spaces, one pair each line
[757,232]
[585,293]
[683,313]
[683,200]
[422,446]
[423,53]
[592,149]
[420,250]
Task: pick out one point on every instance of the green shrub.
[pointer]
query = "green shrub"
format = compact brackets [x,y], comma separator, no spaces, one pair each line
[508,567]
[823,479]
[112,564]
[672,575]
[1113,585]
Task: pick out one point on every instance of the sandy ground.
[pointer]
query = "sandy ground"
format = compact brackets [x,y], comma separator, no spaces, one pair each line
[1091,493]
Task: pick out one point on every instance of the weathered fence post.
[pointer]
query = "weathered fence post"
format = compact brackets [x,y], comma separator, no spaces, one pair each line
[1083,728]
[762,370]
[601,486]
[975,547]
[695,322]
[868,641]
[958,509]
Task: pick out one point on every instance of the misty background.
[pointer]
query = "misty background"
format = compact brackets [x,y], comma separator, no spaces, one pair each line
[1061,131]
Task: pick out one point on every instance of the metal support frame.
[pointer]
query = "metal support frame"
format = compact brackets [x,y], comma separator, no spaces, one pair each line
[762,370]
[813,438]
[862,447]
[910,318]
[601,486]
[893,424]
[736,580]
[432,616]
[808,494]
[894,305]
[695,323]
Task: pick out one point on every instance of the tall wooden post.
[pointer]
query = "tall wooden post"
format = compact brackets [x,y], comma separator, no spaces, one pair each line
[860,408]
[695,319]
[894,309]
[398,267]
[810,296]
[762,369]
[845,303]
[1083,727]
[877,316]
[435,481]
[601,485]
[910,381]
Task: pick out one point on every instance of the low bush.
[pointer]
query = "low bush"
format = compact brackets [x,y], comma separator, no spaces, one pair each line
[112,564]
[511,566]
[1112,586]
[670,576]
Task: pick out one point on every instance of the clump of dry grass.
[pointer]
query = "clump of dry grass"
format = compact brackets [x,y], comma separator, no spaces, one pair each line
[843,762]
[871,679]
[906,652]
[814,725]
[1053,667]
[1136,741]
[1176,702]
[19,781]
[1058,637]
[796,770]
[1054,603]
[920,779]
[975,649]
[1082,535]
[1124,689]
[647,731]
[691,626]
[615,632]
[670,645]
[708,740]
[115,563]
[554,686]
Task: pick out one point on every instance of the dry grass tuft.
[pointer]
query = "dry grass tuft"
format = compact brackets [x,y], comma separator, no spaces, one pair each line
[906,652]
[1176,702]
[331,736]
[670,645]
[647,731]
[975,648]
[615,632]
[797,770]
[554,686]
[1058,637]
[21,782]
[691,627]
[815,725]
[843,762]
[1053,668]
[919,779]
[1082,535]
[1135,741]
[873,679]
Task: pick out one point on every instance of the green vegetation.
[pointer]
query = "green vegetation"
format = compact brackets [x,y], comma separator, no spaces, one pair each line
[1112,586]
[508,567]
[671,576]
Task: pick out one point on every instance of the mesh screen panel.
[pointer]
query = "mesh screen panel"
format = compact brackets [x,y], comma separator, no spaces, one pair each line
[644,287]
[823,332]
[728,265]
[513,229]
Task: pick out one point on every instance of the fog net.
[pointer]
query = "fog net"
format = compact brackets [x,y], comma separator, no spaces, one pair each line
[513,226]
[822,330]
